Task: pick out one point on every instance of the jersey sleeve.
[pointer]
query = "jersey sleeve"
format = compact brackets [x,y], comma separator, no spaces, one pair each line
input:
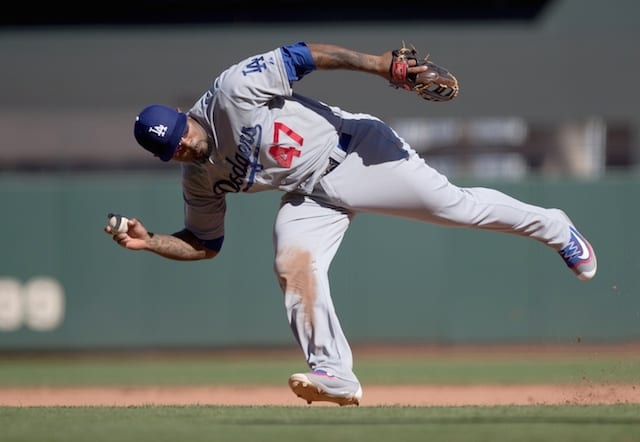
[204,211]
[258,79]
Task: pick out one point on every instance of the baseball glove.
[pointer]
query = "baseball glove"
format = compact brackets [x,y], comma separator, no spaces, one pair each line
[434,84]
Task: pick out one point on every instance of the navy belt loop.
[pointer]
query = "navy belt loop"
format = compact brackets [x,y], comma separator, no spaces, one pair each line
[343,145]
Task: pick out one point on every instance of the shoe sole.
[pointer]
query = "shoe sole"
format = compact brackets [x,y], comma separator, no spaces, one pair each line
[310,392]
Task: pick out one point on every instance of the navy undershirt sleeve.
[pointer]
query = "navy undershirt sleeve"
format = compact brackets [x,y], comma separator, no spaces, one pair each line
[213,244]
[297,60]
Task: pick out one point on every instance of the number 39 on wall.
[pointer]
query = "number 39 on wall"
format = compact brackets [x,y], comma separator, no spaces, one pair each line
[38,304]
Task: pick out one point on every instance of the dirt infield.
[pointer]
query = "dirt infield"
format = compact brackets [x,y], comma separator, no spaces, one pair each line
[583,393]
[406,395]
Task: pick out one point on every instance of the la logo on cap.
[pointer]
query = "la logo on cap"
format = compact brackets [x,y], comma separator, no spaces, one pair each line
[160,130]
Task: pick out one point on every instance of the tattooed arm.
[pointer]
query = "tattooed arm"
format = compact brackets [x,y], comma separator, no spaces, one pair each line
[180,246]
[331,57]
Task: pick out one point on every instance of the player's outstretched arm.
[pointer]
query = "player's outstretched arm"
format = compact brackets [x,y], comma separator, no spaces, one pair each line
[327,56]
[180,246]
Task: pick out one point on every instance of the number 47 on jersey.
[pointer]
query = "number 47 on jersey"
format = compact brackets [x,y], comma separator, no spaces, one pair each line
[284,154]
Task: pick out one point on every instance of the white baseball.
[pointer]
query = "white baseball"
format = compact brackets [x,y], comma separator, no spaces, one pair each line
[118,224]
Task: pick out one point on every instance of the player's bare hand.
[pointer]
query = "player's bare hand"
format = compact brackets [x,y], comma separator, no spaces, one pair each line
[135,238]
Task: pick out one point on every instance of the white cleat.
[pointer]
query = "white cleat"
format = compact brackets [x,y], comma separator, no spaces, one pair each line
[579,256]
[319,386]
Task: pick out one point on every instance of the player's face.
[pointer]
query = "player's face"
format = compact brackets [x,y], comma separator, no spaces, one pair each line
[195,145]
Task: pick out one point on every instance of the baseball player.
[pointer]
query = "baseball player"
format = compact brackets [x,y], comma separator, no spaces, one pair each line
[249,132]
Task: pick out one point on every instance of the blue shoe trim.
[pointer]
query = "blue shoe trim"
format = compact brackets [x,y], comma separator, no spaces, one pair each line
[320,372]
[577,251]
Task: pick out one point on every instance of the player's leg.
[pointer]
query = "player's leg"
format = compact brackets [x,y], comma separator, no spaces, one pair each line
[306,238]
[374,179]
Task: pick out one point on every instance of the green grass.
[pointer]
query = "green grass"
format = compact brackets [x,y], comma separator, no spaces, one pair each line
[565,423]
[213,369]
[279,424]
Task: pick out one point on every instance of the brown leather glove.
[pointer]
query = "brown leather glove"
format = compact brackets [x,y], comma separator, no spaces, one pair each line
[435,84]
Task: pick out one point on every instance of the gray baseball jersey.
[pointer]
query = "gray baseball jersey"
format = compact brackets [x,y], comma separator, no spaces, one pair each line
[265,137]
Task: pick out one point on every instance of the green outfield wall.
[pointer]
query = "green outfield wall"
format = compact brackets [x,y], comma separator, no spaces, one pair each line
[65,285]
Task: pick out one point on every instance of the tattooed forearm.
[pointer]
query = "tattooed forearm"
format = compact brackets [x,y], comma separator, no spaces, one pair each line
[335,57]
[180,246]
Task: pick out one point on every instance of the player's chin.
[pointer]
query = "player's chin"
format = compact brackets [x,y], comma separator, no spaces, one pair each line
[191,157]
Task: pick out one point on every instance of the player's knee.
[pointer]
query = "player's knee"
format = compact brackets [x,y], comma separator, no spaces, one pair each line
[293,266]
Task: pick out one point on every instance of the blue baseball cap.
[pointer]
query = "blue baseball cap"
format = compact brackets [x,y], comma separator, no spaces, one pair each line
[159,128]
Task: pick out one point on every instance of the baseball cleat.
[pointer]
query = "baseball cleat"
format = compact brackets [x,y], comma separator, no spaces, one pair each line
[318,386]
[579,256]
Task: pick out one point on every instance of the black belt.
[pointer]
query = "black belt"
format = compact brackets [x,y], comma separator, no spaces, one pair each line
[339,153]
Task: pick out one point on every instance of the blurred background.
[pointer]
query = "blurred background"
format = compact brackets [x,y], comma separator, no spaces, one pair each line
[548,112]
